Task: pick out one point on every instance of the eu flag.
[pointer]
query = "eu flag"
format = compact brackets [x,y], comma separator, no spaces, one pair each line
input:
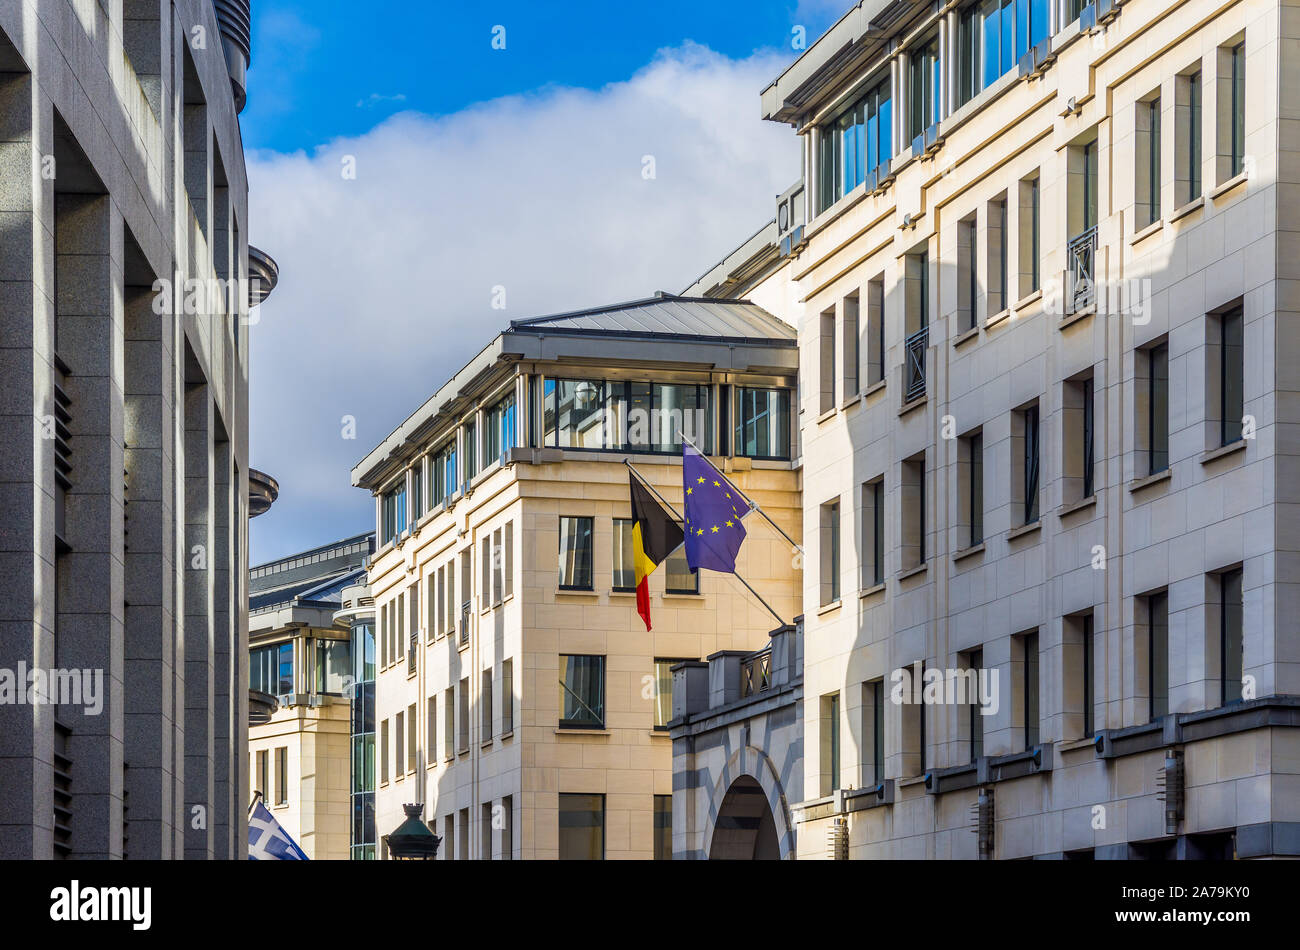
[713,509]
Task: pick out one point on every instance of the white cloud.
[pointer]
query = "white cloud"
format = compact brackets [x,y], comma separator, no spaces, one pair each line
[386,280]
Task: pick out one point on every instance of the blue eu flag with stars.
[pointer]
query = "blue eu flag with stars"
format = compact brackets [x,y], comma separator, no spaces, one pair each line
[713,509]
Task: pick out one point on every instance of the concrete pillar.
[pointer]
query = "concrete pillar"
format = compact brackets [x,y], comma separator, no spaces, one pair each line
[198,558]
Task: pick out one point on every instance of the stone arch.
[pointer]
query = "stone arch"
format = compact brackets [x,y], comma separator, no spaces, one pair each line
[755,766]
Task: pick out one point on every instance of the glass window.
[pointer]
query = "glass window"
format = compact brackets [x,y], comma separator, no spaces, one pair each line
[582,827]
[392,514]
[664,692]
[663,827]
[854,144]
[763,423]
[333,663]
[678,577]
[924,86]
[678,410]
[1158,654]
[624,569]
[1230,636]
[575,553]
[1232,373]
[1158,408]
[471,451]
[582,689]
[574,413]
[442,474]
[500,434]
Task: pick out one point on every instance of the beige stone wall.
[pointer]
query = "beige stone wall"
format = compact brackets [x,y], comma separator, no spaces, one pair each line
[1211,513]
[628,761]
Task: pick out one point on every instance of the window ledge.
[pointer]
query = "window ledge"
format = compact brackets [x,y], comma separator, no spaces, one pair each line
[829,608]
[619,593]
[582,732]
[661,733]
[1185,210]
[485,743]
[872,590]
[1024,529]
[1147,481]
[874,388]
[1075,317]
[579,594]
[916,403]
[1070,745]
[850,401]
[464,751]
[966,335]
[508,734]
[826,415]
[1223,451]
[914,780]
[995,319]
[913,571]
[681,595]
[1143,233]
[1229,185]
[1079,505]
[1028,298]
[968,552]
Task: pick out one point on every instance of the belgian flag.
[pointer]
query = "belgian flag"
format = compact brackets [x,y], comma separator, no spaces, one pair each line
[655,535]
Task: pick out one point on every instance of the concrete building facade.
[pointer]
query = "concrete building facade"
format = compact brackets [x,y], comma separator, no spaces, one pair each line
[124,427]
[519,696]
[1043,265]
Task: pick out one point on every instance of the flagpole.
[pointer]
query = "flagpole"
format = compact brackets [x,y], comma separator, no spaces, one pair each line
[253,803]
[749,501]
[673,512]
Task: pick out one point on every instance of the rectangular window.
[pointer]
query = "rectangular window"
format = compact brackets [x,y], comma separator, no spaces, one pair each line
[508,560]
[876,331]
[575,553]
[663,827]
[849,346]
[678,577]
[1157,644]
[417,491]
[449,717]
[663,692]
[974,717]
[392,513]
[582,827]
[383,752]
[1089,682]
[913,505]
[507,697]
[916,302]
[853,144]
[485,705]
[466,581]
[485,832]
[1232,376]
[462,716]
[1030,462]
[873,534]
[507,828]
[1028,231]
[449,837]
[830,552]
[624,569]
[498,567]
[270,669]
[1187,144]
[500,433]
[1157,420]
[968,292]
[762,423]
[971,460]
[582,690]
[1029,689]
[399,746]
[997,257]
[462,837]
[435,602]
[471,450]
[1237,110]
[873,731]
[399,636]
[1147,157]
[431,729]
[263,770]
[442,474]
[826,366]
[1230,637]
[830,744]
[412,743]
[1089,438]
[282,775]
[924,83]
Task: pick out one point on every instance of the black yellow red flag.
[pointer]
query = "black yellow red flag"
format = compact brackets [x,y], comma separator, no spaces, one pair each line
[655,535]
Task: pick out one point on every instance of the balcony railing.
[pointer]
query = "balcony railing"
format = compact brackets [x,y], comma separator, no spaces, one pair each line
[411,654]
[756,672]
[916,346]
[1081,257]
[464,621]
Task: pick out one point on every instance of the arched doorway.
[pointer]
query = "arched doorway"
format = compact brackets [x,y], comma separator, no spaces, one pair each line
[745,829]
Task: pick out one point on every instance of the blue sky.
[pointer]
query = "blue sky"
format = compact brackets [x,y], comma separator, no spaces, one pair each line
[475,169]
[322,69]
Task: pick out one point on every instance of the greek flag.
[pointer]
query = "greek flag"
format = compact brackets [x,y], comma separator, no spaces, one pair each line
[267,841]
